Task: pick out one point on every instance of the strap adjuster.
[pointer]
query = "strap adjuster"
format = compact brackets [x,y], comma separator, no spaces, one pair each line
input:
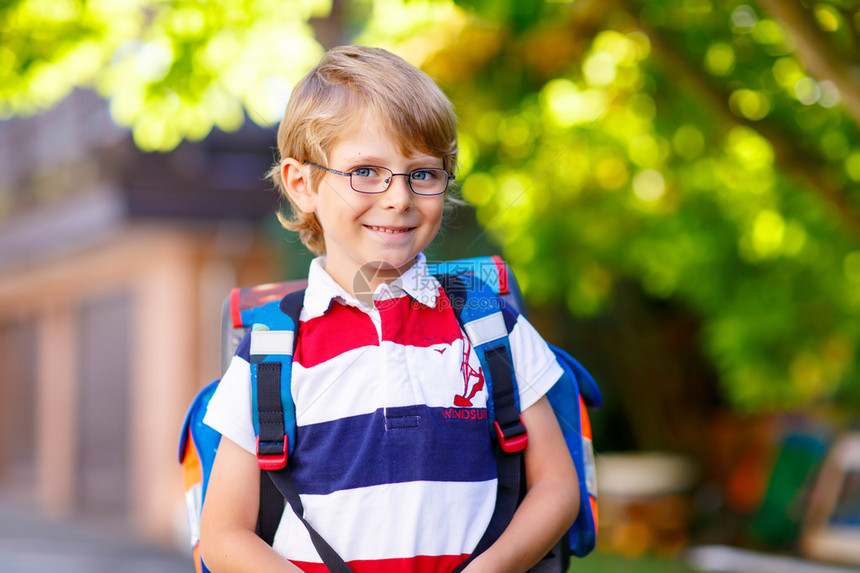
[273,455]
[517,438]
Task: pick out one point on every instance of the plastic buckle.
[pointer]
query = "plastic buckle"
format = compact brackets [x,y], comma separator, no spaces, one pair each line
[273,462]
[515,443]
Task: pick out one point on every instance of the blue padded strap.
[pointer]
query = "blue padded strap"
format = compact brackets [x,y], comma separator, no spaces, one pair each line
[271,355]
[485,269]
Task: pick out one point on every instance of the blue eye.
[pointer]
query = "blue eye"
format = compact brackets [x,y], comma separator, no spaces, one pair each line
[424,175]
[365,172]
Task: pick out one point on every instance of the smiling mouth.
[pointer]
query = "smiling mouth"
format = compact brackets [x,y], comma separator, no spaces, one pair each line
[390,230]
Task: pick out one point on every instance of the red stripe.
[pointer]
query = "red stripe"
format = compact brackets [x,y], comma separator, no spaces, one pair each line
[410,323]
[235,311]
[419,564]
[339,330]
[503,274]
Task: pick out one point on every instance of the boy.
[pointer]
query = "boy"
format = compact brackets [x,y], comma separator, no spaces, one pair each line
[368,145]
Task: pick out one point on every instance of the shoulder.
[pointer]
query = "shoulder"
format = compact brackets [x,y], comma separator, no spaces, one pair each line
[229,409]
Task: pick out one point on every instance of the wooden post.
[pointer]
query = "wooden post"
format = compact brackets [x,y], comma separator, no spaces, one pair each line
[56,426]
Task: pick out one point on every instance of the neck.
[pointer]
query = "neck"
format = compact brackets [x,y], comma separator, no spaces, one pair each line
[363,281]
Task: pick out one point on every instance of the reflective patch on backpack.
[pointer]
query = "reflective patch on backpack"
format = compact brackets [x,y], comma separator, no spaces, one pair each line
[590,469]
[194,505]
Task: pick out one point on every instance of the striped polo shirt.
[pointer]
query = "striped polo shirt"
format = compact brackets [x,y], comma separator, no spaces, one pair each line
[393,458]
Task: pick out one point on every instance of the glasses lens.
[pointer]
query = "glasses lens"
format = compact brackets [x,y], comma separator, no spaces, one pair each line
[370,179]
[428,181]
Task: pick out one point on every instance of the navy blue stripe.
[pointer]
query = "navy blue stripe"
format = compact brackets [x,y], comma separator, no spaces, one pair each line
[511,316]
[412,443]
[243,351]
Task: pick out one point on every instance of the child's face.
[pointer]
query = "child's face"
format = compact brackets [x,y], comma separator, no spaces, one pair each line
[384,231]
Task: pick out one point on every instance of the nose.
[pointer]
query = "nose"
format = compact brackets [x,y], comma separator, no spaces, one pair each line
[399,195]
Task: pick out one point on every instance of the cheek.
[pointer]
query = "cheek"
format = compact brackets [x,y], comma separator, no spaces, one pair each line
[433,211]
[341,206]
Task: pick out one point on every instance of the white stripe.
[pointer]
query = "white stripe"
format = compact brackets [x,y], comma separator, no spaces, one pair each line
[229,410]
[362,380]
[272,342]
[486,329]
[535,364]
[379,522]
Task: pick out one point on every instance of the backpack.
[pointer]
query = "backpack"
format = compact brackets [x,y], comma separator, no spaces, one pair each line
[480,290]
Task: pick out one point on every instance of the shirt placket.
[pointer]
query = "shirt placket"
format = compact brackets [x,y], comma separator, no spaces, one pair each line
[394,364]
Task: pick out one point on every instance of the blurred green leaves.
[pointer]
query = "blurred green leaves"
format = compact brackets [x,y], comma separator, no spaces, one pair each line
[172,70]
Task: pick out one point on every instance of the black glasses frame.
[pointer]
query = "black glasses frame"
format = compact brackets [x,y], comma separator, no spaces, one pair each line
[450,177]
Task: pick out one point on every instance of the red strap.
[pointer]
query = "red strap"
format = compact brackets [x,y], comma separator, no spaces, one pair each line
[503,274]
[235,310]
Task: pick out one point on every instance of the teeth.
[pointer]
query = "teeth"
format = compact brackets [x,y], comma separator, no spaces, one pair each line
[387,230]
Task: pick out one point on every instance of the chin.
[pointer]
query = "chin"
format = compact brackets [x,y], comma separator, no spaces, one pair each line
[391,262]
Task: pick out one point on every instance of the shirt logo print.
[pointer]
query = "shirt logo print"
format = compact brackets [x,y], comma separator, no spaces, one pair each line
[469,373]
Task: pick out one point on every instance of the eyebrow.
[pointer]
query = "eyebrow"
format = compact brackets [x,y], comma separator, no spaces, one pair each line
[424,161]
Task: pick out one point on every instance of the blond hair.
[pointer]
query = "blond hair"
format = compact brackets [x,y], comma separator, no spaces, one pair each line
[348,83]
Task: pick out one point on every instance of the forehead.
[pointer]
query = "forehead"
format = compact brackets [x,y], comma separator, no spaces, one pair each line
[367,138]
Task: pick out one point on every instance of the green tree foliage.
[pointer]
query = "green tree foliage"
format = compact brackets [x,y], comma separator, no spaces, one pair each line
[707,150]
[172,70]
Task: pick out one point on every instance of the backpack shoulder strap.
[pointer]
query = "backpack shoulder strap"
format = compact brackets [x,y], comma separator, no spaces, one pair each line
[476,297]
[275,420]
[270,399]
[479,310]
[273,339]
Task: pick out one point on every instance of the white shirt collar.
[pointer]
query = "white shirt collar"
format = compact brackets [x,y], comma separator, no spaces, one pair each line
[417,282]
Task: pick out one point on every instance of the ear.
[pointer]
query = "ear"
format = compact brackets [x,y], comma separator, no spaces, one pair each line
[297,182]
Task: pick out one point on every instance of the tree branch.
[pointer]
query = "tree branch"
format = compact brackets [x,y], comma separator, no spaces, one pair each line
[798,162]
[815,49]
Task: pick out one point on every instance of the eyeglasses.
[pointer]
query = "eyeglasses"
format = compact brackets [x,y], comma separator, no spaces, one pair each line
[373,179]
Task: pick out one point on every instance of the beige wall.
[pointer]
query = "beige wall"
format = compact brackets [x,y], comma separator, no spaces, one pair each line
[173,281]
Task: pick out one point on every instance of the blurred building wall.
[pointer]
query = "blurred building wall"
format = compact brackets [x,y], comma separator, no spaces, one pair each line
[113,267]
